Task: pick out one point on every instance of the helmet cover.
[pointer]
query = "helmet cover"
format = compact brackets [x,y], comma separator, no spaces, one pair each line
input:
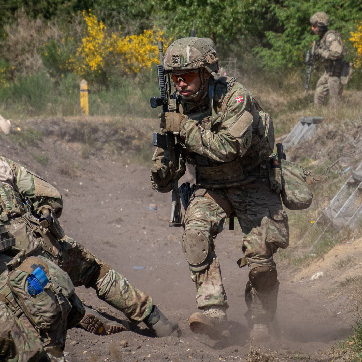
[191,53]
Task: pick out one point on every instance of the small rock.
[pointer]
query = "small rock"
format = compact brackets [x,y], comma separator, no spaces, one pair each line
[316,275]
[123,343]
[5,125]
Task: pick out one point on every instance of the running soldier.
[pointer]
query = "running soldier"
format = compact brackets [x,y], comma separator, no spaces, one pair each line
[228,139]
[330,52]
[29,211]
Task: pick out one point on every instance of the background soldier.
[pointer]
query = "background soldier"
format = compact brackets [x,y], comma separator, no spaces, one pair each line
[228,138]
[29,211]
[329,51]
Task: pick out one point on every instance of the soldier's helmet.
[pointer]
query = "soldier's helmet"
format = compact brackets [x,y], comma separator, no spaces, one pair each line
[320,19]
[191,53]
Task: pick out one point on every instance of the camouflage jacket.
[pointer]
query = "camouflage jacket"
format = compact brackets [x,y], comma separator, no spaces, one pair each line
[226,135]
[20,188]
[330,48]
[21,192]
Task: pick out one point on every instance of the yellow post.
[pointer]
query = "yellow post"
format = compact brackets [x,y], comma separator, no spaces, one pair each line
[84,105]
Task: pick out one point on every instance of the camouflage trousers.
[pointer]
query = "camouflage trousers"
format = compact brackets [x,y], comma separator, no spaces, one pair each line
[86,270]
[264,225]
[328,84]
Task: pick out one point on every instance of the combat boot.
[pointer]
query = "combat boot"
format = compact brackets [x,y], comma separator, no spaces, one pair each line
[210,321]
[95,323]
[259,333]
[159,324]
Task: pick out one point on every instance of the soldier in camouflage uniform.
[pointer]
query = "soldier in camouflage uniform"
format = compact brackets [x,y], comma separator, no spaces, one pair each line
[29,211]
[330,52]
[34,327]
[228,138]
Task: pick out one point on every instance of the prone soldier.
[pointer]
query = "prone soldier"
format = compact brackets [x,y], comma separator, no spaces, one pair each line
[29,211]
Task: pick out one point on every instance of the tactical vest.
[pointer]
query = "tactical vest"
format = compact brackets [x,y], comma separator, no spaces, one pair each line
[214,174]
[333,67]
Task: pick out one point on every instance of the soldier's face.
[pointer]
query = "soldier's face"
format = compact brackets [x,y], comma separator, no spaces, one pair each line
[187,84]
[315,29]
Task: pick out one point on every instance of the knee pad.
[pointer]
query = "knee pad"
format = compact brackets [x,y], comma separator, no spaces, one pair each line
[263,278]
[196,247]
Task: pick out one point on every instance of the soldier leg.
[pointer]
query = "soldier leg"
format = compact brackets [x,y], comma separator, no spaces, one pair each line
[321,91]
[265,228]
[85,269]
[335,89]
[203,221]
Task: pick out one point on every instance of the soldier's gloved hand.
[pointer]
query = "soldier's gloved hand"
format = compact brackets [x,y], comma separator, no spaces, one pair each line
[45,215]
[172,121]
[161,176]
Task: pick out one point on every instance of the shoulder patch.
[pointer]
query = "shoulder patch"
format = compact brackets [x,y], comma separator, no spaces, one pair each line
[330,37]
[241,125]
[239,99]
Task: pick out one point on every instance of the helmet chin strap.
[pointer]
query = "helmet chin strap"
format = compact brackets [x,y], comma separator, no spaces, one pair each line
[202,86]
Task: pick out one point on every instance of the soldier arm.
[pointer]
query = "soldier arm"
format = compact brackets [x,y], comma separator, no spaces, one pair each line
[233,137]
[37,190]
[334,48]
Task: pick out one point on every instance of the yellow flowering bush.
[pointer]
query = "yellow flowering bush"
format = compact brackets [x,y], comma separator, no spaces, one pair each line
[356,39]
[103,53]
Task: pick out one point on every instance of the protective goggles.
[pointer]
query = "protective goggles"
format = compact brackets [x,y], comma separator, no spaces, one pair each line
[185,77]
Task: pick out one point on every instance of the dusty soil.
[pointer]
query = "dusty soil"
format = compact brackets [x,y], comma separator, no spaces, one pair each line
[109,206]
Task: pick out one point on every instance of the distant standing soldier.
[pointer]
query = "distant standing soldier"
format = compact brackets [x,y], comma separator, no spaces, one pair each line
[330,52]
[228,138]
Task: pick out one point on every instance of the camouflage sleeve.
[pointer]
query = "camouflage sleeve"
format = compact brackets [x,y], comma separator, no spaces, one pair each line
[334,47]
[37,190]
[232,138]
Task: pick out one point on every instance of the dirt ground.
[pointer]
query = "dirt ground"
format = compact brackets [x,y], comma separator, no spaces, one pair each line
[110,207]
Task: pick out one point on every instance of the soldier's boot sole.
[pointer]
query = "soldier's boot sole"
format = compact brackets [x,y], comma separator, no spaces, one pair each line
[95,323]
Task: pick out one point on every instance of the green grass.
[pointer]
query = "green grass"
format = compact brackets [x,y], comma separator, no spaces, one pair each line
[26,137]
[41,158]
[352,347]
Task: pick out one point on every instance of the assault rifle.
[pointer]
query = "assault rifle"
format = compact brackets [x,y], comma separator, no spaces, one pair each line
[167,140]
[309,61]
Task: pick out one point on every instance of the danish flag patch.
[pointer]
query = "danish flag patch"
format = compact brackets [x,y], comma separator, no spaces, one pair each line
[240,99]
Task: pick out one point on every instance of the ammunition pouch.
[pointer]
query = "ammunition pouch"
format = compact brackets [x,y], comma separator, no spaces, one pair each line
[228,173]
[295,192]
[347,72]
[45,309]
